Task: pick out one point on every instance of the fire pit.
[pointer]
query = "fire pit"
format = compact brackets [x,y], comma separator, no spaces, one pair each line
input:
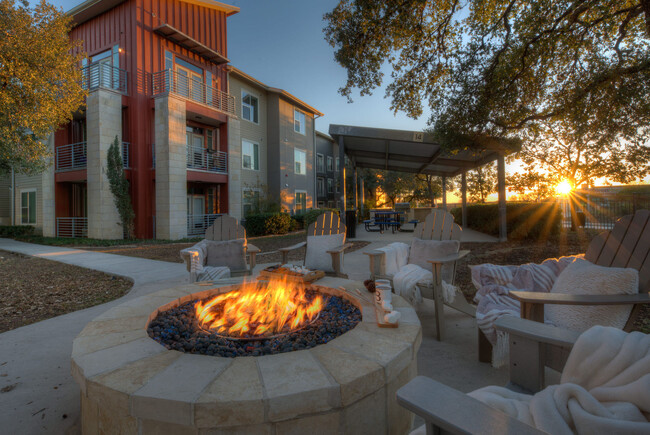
[160,363]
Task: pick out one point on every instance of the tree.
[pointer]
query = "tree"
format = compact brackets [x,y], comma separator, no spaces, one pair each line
[119,186]
[481,182]
[499,67]
[531,185]
[40,82]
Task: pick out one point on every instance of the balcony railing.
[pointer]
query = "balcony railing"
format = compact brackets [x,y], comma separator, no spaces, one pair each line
[71,157]
[198,223]
[72,227]
[206,160]
[126,159]
[102,75]
[169,81]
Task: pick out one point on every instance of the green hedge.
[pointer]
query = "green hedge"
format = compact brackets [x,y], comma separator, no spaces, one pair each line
[264,224]
[525,220]
[16,230]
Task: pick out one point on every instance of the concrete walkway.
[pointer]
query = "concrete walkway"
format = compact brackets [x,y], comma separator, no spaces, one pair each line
[36,358]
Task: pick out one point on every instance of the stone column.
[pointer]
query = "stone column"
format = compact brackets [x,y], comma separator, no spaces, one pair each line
[47,186]
[501,182]
[103,122]
[444,193]
[463,189]
[234,169]
[171,168]
[342,177]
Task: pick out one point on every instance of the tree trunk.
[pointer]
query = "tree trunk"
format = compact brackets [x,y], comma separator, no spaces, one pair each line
[646,10]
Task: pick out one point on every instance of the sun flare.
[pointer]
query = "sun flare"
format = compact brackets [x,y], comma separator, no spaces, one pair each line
[564,188]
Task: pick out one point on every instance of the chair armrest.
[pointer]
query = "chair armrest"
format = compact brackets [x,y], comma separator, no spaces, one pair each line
[535,331]
[377,263]
[566,299]
[449,258]
[293,247]
[186,255]
[340,248]
[455,412]
[375,253]
[252,249]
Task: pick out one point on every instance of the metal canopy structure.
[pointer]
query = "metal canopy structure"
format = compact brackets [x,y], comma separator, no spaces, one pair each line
[185,41]
[421,153]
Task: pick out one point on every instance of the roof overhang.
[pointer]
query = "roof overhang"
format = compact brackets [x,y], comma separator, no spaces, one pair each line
[177,37]
[228,9]
[90,9]
[416,151]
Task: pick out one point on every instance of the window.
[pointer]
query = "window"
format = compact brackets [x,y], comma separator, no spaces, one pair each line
[28,207]
[337,164]
[338,186]
[250,155]
[330,185]
[250,107]
[320,164]
[301,201]
[250,201]
[320,184]
[298,121]
[300,159]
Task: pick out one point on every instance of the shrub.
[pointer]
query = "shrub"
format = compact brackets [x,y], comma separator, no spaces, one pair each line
[264,224]
[16,230]
[524,220]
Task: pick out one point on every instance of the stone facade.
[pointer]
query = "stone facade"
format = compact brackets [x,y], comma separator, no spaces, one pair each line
[235,173]
[104,123]
[49,219]
[171,168]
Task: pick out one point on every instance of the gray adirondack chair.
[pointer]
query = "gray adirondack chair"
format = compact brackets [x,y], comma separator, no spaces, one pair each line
[626,245]
[438,225]
[223,228]
[533,347]
[327,224]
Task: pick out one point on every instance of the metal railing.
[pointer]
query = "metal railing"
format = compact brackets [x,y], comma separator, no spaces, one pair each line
[206,160]
[198,223]
[126,160]
[169,81]
[72,227]
[600,212]
[71,157]
[102,75]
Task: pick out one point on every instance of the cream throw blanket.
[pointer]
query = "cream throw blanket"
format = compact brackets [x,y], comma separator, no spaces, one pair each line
[604,388]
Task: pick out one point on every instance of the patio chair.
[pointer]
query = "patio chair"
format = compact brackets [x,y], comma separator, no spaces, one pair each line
[533,348]
[327,224]
[438,225]
[225,228]
[627,245]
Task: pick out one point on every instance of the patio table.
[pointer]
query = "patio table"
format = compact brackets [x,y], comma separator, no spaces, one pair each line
[387,219]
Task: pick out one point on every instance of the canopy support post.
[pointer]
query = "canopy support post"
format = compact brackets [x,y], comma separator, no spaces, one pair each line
[501,181]
[342,176]
[363,196]
[444,193]
[356,193]
[463,189]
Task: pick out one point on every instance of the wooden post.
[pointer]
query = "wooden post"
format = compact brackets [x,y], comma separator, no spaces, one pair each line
[463,190]
[501,179]
[342,177]
[356,196]
[444,193]
[363,197]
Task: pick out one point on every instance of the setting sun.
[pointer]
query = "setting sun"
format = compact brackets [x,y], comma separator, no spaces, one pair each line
[564,188]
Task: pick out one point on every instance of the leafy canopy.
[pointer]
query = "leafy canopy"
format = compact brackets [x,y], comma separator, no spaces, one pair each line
[40,82]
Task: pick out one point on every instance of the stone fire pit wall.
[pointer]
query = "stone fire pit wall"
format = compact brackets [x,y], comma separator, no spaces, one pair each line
[131,384]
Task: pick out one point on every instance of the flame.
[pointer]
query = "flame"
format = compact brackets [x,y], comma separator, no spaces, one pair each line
[260,309]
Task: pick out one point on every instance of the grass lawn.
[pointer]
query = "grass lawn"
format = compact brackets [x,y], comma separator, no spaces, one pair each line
[34,289]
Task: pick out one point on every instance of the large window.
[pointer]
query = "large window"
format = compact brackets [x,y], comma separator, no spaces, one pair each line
[300,159]
[250,201]
[298,121]
[28,207]
[320,184]
[301,201]
[320,163]
[330,185]
[329,164]
[250,155]
[250,107]
[337,164]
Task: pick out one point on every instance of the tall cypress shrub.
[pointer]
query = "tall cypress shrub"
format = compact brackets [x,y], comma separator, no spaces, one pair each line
[119,186]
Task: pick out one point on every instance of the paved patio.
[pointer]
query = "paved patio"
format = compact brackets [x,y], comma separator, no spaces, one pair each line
[37,357]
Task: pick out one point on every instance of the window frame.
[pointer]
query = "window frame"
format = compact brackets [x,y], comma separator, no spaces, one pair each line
[302,125]
[320,164]
[295,200]
[330,185]
[257,97]
[255,144]
[28,191]
[330,164]
[243,196]
[337,165]
[304,170]
[320,182]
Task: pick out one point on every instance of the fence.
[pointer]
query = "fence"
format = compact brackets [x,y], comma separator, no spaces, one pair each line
[71,157]
[600,212]
[72,227]
[198,223]
[206,160]
[102,75]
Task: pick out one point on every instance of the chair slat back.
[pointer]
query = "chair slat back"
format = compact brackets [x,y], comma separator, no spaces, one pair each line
[327,224]
[438,225]
[225,228]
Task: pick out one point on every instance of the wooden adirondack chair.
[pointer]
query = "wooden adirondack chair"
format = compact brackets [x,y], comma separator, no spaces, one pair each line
[626,245]
[327,224]
[438,225]
[223,228]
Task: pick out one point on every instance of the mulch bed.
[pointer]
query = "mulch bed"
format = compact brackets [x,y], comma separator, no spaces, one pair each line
[35,289]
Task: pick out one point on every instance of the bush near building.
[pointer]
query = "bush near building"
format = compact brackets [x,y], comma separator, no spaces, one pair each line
[16,230]
[525,220]
[264,224]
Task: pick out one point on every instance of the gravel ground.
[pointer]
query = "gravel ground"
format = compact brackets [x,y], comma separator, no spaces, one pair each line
[35,289]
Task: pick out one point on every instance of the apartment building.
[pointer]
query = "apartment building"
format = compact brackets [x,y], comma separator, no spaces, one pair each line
[327,171]
[157,80]
[272,148]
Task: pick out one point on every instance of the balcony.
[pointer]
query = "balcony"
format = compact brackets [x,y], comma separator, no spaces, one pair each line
[74,157]
[171,82]
[72,227]
[198,223]
[199,158]
[102,75]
